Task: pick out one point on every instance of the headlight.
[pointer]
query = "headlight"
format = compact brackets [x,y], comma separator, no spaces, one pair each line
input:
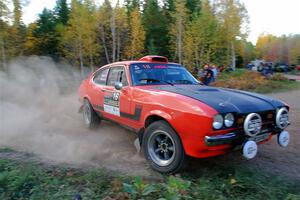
[282,118]
[218,121]
[229,120]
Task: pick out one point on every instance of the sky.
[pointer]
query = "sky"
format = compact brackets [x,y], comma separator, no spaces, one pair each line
[276,17]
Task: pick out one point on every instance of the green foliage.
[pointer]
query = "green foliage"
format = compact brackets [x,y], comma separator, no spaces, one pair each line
[194,6]
[191,32]
[62,12]
[28,180]
[177,188]
[135,44]
[46,34]
[156,27]
[138,188]
[200,41]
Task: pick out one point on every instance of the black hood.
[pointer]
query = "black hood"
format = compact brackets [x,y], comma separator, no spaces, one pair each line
[226,100]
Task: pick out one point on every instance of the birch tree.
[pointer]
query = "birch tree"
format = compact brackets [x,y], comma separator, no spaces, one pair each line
[135,45]
[17,33]
[104,15]
[121,23]
[233,18]
[200,37]
[3,32]
[90,45]
[180,17]
[80,36]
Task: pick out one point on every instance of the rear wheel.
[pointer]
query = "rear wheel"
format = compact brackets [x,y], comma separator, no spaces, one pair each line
[90,117]
[163,148]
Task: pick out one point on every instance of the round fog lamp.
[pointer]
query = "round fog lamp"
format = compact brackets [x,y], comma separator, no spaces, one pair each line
[252,124]
[284,139]
[250,149]
[229,120]
[282,118]
[218,121]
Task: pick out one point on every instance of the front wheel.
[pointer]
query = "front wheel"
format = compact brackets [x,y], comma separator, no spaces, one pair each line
[163,148]
[90,117]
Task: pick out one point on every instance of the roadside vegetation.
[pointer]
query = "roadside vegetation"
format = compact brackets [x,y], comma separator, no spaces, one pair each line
[21,179]
[255,82]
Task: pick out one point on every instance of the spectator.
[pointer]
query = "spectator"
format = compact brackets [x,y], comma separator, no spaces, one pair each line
[207,75]
[215,72]
[200,74]
[267,70]
[270,67]
[250,66]
[195,72]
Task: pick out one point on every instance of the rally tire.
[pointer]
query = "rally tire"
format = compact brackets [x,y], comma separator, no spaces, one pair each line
[90,117]
[173,161]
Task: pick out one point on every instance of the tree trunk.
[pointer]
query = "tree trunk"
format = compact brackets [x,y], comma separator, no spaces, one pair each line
[104,44]
[92,62]
[3,56]
[118,46]
[180,33]
[233,59]
[81,59]
[91,57]
[113,34]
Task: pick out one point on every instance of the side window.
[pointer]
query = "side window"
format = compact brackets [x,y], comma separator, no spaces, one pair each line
[100,77]
[123,78]
[117,74]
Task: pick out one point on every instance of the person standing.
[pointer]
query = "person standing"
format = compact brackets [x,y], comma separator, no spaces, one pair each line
[215,72]
[195,72]
[207,75]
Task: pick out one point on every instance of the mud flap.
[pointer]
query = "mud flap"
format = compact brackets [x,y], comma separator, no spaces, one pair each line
[137,144]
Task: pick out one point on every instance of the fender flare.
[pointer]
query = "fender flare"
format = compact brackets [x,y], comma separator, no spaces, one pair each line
[160,114]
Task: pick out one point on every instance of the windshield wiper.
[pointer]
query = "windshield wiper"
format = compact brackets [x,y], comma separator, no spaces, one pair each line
[155,81]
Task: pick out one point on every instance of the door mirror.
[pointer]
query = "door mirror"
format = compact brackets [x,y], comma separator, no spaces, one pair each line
[118,85]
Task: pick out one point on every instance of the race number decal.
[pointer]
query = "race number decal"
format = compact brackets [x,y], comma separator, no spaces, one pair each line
[112,103]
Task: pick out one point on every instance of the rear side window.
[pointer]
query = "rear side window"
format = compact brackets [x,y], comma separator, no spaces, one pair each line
[100,77]
[117,74]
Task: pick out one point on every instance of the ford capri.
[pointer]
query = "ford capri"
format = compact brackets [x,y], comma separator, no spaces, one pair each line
[175,116]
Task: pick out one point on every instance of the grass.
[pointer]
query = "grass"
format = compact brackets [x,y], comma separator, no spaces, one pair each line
[255,82]
[30,180]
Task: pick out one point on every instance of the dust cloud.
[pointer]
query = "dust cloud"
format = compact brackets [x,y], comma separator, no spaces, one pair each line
[39,114]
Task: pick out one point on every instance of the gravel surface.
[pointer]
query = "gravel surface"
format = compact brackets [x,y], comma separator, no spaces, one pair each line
[58,135]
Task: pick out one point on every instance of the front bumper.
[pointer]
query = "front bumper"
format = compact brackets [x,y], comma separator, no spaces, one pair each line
[236,138]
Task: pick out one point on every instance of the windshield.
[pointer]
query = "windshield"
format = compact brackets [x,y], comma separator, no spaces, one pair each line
[158,73]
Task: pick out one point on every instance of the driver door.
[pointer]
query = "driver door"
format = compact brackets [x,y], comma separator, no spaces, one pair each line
[117,102]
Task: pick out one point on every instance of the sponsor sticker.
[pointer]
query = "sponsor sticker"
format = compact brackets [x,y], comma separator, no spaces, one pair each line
[112,104]
[112,110]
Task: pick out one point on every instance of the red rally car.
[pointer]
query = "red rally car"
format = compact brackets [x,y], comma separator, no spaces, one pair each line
[175,116]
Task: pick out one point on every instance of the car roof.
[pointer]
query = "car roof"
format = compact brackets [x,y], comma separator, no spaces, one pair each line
[145,59]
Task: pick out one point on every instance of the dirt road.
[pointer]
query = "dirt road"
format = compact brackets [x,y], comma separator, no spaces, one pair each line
[50,127]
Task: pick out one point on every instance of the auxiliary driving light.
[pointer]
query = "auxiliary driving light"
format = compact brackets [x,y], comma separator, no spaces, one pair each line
[283,139]
[249,149]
